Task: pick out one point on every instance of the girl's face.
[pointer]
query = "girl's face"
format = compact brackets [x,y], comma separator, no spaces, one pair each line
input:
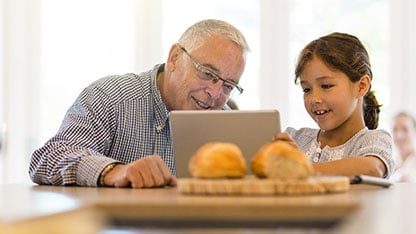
[330,98]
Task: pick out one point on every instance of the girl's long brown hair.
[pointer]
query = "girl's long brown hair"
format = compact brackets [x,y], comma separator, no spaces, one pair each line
[345,53]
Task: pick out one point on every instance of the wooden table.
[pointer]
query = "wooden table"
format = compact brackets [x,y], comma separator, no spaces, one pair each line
[48,209]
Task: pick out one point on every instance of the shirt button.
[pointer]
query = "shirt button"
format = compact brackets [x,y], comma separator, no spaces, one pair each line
[159,128]
[315,159]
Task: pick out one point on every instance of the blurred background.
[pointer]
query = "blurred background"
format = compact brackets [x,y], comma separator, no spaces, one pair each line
[51,49]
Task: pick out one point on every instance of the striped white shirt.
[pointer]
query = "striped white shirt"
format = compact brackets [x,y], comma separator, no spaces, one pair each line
[118,118]
[365,142]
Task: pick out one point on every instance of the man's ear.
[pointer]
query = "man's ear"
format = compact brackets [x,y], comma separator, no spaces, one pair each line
[174,52]
[364,85]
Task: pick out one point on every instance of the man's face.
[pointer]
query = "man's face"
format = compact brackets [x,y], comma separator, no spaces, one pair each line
[187,74]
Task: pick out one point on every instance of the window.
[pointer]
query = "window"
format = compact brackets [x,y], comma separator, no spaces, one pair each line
[80,44]
[53,49]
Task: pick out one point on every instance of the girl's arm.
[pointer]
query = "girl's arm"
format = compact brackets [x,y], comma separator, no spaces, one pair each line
[369,165]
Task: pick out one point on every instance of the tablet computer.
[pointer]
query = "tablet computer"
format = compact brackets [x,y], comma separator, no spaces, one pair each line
[249,129]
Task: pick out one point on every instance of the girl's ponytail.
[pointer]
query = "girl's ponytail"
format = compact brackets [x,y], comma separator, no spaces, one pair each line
[371,110]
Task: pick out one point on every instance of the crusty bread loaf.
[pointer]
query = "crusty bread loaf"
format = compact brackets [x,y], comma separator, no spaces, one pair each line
[218,160]
[280,160]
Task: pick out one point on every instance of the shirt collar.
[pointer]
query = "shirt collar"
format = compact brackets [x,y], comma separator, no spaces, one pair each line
[159,107]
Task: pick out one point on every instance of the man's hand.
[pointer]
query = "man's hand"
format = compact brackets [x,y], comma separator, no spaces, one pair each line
[146,172]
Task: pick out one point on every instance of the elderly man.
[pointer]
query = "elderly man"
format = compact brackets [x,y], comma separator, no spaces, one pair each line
[117,131]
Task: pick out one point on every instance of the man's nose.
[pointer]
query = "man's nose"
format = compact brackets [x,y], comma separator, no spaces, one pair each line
[214,89]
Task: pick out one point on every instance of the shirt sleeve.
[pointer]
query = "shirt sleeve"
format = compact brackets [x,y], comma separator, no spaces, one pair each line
[378,143]
[75,154]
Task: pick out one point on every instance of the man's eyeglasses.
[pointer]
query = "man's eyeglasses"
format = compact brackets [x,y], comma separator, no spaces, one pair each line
[229,88]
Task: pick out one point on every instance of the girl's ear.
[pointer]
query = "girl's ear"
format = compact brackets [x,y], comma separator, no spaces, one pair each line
[364,85]
[174,52]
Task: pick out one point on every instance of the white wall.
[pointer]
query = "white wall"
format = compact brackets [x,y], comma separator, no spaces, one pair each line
[20,74]
[274,64]
[403,56]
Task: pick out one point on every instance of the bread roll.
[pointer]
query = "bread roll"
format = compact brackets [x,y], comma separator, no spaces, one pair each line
[280,160]
[218,160]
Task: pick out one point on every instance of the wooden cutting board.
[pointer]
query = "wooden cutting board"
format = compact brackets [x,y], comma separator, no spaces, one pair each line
[251,185]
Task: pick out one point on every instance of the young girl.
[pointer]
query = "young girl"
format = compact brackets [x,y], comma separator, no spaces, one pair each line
[335,75]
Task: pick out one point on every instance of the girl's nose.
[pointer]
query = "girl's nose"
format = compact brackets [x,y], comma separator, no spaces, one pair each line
[316,97]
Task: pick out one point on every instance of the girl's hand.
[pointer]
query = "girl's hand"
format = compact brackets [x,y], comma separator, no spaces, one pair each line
[284,137]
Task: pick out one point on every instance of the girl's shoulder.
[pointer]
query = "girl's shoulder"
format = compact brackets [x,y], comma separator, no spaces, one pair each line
[308,131]
[372,134]
[304,134]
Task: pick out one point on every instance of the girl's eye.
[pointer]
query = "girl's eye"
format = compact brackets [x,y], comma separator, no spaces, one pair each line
[327,86]
[306,90]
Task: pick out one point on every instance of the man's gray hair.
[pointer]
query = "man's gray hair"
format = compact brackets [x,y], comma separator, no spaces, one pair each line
[198,32]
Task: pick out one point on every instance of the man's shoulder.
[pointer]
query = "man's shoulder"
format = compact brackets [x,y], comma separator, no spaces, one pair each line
[122,87]
[125,81]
